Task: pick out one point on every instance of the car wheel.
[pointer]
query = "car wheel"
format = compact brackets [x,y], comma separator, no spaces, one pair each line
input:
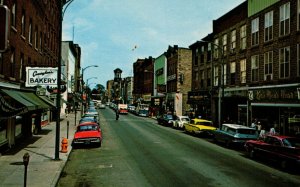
[252,154]
[227,143]
[283,164]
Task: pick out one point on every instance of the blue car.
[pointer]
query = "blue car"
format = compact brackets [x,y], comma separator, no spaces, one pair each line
[234,134]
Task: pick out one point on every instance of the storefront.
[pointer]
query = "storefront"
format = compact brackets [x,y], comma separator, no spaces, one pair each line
[22,113]
[200,102]
[276,106]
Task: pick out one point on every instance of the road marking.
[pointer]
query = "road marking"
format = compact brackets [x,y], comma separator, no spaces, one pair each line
[105,166]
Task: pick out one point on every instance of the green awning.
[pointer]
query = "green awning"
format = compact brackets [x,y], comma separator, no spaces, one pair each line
[28,99]
[48,101]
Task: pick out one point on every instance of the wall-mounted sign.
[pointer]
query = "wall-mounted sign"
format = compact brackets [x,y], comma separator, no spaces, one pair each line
[41,76]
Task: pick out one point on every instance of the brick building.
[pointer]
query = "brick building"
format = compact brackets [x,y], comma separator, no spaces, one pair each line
[34,31]
[254,50]
[179,66]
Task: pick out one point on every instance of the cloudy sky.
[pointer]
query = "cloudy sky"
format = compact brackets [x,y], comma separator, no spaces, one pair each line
[115,33]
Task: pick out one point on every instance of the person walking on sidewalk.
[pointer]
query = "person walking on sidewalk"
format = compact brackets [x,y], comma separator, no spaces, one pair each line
[117,114]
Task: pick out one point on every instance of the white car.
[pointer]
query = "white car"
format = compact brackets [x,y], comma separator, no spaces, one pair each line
[180,121]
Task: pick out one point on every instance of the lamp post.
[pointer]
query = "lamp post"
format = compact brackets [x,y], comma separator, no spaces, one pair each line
[222,83]
[87,80]
[62,11]
[82,83]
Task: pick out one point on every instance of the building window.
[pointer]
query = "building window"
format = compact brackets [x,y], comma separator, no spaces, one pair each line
[208,52]
[201,79]
[284,62]
[21,66]
[298,14]
[254,68]
[209,77]
[224,44]
[13,15]
[284,21]
[216,49]
[36,44]
[23,23]
[243,70]
[216,75]
[30,31]
[233,41]
[268,64]
[232,73]
[268,26]
[255,31]
[298,59]
[243,37]
[12,62]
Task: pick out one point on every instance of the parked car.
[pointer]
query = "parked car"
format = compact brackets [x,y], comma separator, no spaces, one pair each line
[234,134]
[91,116]
[92,111]
[165,119]
[180,121]
[199,126]
[282,149]
[87,134]
[88,119]
[101,106]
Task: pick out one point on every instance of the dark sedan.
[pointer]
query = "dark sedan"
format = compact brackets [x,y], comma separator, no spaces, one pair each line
[282,149]
[166,119]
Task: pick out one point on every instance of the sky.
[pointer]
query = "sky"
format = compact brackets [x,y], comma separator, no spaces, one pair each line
[115,33]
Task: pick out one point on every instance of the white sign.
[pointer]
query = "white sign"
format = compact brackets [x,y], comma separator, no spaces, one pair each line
[41,76]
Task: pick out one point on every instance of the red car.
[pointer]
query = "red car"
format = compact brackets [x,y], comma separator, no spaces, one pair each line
[282,149]
[87,133]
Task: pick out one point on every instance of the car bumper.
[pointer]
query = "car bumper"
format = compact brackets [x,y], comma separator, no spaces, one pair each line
[86,141]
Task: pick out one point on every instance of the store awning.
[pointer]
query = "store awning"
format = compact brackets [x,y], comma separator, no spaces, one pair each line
[28,99]
[48,101]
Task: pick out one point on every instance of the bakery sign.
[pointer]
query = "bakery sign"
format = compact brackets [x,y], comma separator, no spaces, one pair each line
[37,76]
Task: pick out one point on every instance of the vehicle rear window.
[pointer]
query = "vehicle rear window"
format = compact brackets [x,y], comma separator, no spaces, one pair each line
[87,128]
[291,142]
[246,131]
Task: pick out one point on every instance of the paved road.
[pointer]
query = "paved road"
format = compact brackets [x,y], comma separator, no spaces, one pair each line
[138,152]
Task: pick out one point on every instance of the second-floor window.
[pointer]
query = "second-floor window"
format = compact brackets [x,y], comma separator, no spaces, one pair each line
[254,68]
[232,73]
[233,41]
[268,65]
[284,62]
[243,37]
[243,70]
[216,76]
[284,19]
[224,44]
[298,14]
[298,59]
[30,32]
[225,75]
[13,15]
[208,77]
[23,26]
[21,66]
[269,26]
[255,31]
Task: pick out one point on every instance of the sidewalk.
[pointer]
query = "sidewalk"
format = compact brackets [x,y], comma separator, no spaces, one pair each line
[42,170]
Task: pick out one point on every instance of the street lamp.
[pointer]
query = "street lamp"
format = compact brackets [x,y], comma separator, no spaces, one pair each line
[62,11]
[87,80]
[82,82]
[221,87]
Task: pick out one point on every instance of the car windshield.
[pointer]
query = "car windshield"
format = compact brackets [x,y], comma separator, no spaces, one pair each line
[291,142]
[169,116]
[87,128]
[185,119]
[246,131]
[92,110]
[206,123]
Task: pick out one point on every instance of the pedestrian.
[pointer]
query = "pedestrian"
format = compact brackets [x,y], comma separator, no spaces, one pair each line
[272,131]
[259,127]
[253,124]
[262,133]
[117,114]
